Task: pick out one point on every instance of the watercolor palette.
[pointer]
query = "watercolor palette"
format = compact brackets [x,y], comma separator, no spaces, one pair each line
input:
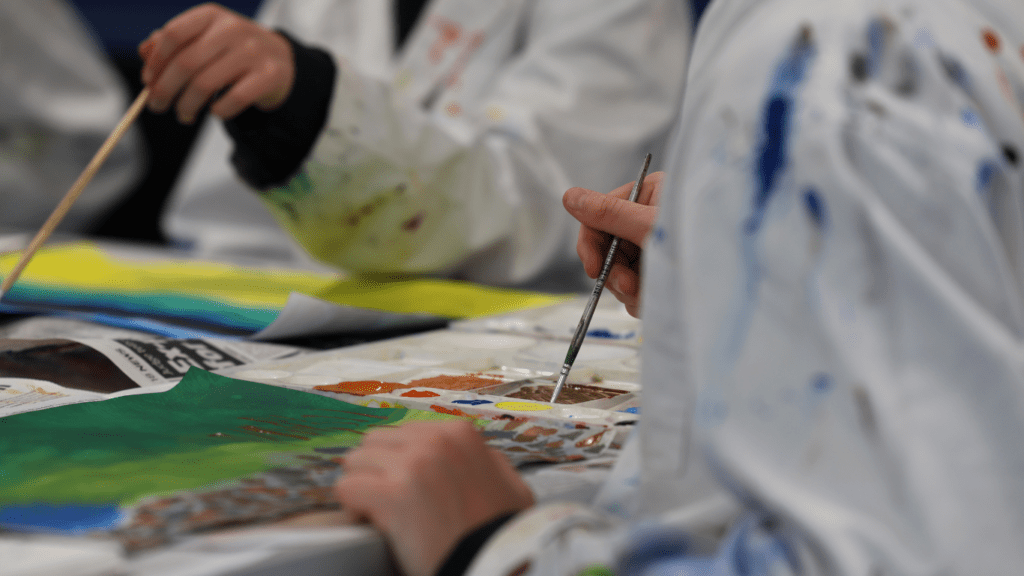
[492,370]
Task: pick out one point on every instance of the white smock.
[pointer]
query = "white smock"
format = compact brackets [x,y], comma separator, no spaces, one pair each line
[59,99]
[452,156]
[833,310]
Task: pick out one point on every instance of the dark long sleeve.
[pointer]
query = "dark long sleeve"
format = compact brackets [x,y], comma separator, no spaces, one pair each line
[270,146]
[459,560]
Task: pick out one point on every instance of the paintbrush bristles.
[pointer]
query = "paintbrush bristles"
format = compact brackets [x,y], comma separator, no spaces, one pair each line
[72,195]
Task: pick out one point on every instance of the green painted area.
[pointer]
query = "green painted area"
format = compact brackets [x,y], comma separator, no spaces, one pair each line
[158,304]
[207,430]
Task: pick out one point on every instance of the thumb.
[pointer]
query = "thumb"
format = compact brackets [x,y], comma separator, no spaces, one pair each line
[627,220]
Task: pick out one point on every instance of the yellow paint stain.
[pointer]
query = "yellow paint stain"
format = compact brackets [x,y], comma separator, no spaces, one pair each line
[522,406]
[495,113]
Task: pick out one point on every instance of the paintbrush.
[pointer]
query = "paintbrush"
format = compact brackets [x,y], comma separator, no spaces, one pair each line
[588,312]
[83,180]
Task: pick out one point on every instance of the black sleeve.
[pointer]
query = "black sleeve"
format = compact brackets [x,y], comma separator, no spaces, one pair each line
[460,558]
[270,146]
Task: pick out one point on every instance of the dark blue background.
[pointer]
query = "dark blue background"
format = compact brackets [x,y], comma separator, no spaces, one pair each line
[122,24]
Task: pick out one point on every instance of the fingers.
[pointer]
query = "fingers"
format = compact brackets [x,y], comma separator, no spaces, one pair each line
[157,50]
[426,485]
[602,215]
[210,50]
[605,213]
[266,87]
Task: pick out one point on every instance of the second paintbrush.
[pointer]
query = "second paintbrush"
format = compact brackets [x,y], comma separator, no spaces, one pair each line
[588,312]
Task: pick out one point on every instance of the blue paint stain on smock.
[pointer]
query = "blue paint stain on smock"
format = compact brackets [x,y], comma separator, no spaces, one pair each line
[631,410]
[956,72]
[472,402]
[923,39]
[60,518]
[777,123]
[876,46]
[815,206]
[771,154]
[986,173]
[821,383]
[969,117]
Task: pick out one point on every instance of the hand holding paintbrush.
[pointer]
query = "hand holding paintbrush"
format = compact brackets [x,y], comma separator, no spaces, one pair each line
[599,214]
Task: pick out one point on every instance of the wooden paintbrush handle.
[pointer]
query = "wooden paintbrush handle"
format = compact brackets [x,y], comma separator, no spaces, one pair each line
[69,199]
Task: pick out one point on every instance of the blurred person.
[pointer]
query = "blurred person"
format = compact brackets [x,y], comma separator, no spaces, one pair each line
[833,306]
[59,100]
[414,137]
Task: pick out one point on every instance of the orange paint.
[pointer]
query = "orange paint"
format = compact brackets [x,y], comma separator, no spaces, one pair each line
[420,394]
[362,387]
[452,411]
[462,383]
[991,40]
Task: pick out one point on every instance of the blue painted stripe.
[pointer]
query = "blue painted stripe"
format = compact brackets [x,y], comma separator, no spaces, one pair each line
[60,518]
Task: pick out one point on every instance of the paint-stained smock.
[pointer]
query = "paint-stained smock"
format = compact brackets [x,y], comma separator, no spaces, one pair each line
[834,321]
[59,99]
[452,155]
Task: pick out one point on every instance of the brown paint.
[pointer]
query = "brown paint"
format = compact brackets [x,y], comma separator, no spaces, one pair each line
[571,393]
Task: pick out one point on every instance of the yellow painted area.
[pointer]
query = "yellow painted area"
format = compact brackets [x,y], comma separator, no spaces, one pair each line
[447,298]
[84,267]
[522,406]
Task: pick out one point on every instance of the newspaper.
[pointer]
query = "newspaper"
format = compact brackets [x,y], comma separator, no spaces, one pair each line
[38,373]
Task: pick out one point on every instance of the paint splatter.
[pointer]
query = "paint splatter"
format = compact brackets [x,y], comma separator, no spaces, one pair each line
[986,173]
[815,207]
[956,72]
[413,224]
[1011,155]
[991,40]
[970,118]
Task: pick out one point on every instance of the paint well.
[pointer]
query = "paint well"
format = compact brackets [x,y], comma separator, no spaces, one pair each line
[513,406]
[463,382]
[420,394]
[362,387]
[570,394]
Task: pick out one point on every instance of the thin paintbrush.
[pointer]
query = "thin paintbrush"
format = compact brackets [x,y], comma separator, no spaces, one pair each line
[83,180]
[588,312]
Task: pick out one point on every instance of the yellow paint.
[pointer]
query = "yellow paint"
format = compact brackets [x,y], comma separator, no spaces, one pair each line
[84,267]
[522,406]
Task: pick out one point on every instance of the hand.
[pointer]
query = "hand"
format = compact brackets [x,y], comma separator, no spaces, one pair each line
[426,486]
[612,213]
[206,49]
